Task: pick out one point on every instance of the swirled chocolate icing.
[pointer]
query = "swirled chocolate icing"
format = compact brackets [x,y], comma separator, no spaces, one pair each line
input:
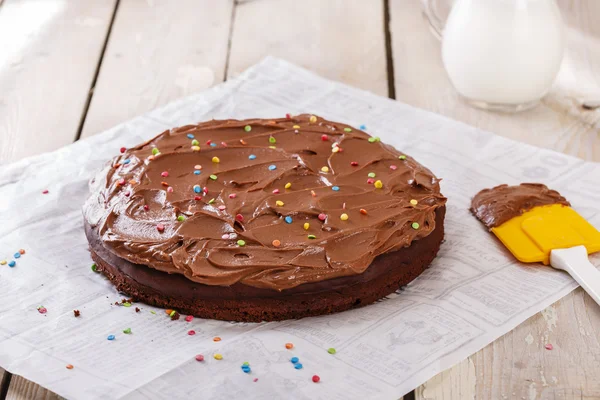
[499,204]
[262,202]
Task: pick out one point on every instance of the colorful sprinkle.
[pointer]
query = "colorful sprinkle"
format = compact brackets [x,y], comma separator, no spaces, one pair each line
[196,143]
[276,243]
[322,217]
[313,194]
[155,151]
[239,217]
[288,219]
[69,366]
[288,185]
[273,147]
[354,163]
[316,378]
[251,157]
[172,313]
[94,267]
[190,136]
[312,237]
[347,130]
[213,145]
[17,255]
[548,346]
[197,198]
[127,331]
[197,172]
[344,217]
[247,128]
[415,225]
[111,337]
[335,188]
[122,149]
[279,203]
[306,226]
[199,357]
[378,184]
[216,160]
[126,304]
[189,318]
[197,189]
[289,346]
[312,119]
[414,202]
[198,166]
[241,243]
[371,174]
[393,167]
[363,211]
[181,218]
[2,262]
[294,360]
[232,196]
[324,138]
[195,148]
[218,356]
[298,366]
[213,177]
[242,141]
[331,350]
[45,191]
[216,339]
[191,332]
[374,139]
[12,263]
[272,139]
[370,181]
[272,167]
[402,157]
[325,169]
[42,310]
[255,380]
[296,126]
[335,149]
[222,207]
[160,227]
[211,201]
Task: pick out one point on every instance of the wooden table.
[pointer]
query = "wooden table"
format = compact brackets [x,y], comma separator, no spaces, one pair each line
[70,69]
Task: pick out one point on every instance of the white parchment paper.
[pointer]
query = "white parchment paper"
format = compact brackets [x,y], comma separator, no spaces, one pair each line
[473,293]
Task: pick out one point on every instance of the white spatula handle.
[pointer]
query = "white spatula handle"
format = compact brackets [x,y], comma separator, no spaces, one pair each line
[575,262]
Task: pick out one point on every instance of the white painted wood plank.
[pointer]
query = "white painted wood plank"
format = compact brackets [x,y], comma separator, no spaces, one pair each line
[50,50]
[339,39]
[559,123]
[158,51]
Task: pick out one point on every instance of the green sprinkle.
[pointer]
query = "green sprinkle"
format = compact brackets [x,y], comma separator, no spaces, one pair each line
[127,331]
[155,151]
[402,157]
[415,225]
[246,363]
[126,304]
[181,218]
[312,237]
[347,130]
[153,312]
[211,201]
[331,350]
[172,313]
[213,177]
[241,242]
[195,142]
[247,128]
[94,268]
[371,174]
[272,140]
[374,139]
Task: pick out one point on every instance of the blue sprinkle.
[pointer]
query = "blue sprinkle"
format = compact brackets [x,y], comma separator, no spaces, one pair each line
[298,366]
[335,188]
[197,189]
[294,360]
[127,161]
[288,219]
[213,145]
[190,136]
[272,167]
[246,370]
[17,255]
[197,172]
[111,337]
[362,127]
[12,263]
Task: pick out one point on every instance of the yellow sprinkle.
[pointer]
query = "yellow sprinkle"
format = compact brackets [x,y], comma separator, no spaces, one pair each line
[279,203]
[378,184]
[325,169]
[335,149]
[272,147]
[216,160]
[195,148]
[218,356]
[306,226]
[3,262]
[414,202]
[296,126]
[312,119]
[288,185]
[344,217]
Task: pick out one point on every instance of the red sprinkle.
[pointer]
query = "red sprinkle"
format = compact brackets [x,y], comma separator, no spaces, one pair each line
[222,208]
[197,198]
[322,217]
[121,181]
[164,183]
[160,227]
[316,378]
[42,310]
[123,149]
[128,193]
[354,163]
[232,196]
[21,251]
[363,211]
[288,116]
[223,144]
[393,167]
[45,191]
[69,366]
[164,174]
[370,181]
[199,357]
[276,191]
[205,190]
[549,346]
[324,138]
[255,380]
[208,142]
[170,189]
[239,217]
[189,318]
[242,141]
[146,208]
[192,332]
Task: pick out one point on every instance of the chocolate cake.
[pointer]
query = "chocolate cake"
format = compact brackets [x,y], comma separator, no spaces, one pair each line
[261,220]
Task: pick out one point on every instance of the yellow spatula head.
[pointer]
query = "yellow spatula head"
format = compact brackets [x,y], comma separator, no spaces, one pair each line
[531,236]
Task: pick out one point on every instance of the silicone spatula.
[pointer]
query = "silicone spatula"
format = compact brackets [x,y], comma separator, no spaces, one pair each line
[556,235]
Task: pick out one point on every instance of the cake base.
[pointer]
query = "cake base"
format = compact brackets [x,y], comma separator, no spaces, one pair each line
[244,303]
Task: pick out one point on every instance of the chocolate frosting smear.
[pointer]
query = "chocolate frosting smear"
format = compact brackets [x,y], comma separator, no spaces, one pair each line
[497,205]
[262,202]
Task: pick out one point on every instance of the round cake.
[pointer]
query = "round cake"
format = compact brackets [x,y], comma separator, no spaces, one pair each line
[263,219]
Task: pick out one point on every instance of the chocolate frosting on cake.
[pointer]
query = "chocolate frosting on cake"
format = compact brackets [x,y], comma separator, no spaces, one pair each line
[497,205]
[262,202]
